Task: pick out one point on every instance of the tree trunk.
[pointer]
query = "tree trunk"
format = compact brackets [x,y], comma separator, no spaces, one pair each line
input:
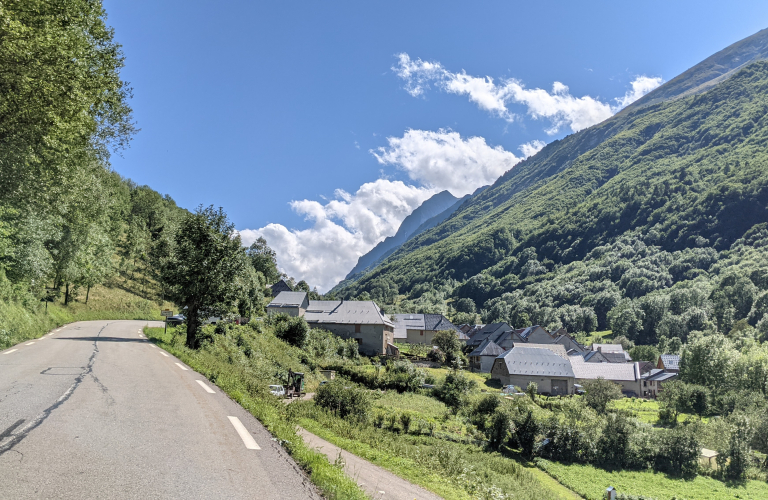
[87,293]
[66,295]
[192,326]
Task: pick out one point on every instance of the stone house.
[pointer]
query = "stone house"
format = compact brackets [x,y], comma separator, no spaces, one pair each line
[545,364]
[290,303]
[421,328]
[481,359]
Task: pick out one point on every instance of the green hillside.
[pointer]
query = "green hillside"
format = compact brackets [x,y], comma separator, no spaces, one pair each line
[656,199]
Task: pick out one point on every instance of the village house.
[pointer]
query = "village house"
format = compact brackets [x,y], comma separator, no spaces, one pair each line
[653,382]
[290,303]
[421,328]
[547,365]
[669,363]
[627,375]
[614,353]
[481,359]
[497,332]
[361,320]
[279,287]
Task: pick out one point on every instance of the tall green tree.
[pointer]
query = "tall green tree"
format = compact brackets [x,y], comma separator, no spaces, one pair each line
[206,272]
[263,260]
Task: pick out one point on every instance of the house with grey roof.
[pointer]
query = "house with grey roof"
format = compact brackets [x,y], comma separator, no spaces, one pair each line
[279,287]
[421,328]
[627,375]
[481,359]
[361,320]
[615,352]
[521,365]
[653,381]
[497,332]
[290,303]
[669,362]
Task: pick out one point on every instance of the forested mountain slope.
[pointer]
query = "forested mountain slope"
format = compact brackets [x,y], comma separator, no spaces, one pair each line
[683,179]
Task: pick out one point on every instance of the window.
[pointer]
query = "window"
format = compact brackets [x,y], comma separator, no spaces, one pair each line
[357,328]
[421,332]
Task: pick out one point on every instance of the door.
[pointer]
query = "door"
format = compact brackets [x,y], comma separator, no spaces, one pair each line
[559,387]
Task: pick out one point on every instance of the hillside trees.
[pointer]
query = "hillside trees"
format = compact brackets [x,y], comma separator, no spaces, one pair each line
[206,271]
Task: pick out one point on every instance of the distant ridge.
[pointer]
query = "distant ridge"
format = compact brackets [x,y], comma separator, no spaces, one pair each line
[430,213]
[709,72]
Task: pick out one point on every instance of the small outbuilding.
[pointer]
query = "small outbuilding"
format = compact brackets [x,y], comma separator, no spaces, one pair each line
[481,359]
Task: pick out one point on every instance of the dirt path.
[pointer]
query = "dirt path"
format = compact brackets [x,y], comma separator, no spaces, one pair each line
[377,482]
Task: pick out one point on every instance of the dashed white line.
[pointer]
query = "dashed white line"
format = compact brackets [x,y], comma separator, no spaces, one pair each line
[29,343]
[207,389]
[246,436]
[12,350]
[181,366]
[164,354]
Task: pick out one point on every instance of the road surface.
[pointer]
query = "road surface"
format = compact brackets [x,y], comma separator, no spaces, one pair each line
[94,410]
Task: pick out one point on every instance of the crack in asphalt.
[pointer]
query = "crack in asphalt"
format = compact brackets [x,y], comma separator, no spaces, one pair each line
[24,432]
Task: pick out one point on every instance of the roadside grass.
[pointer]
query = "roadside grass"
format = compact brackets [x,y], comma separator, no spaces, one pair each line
[591,482]
[224,364]
[20,321]
[451,470]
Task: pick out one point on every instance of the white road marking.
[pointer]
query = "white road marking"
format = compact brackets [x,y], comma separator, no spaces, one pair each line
[246,436]
[207,389]
[181,366]
[164,354]
[29,343]
[12,350]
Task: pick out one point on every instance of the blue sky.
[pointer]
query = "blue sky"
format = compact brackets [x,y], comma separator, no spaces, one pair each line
[269,108]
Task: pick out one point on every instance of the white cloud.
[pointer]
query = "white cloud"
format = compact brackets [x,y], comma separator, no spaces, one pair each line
[443,160]
[640,86]
[343,229]
[558,106]
[531,148]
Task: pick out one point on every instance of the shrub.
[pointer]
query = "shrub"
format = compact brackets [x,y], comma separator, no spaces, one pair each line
[291,329]
[532,390]
[345,402]
[405,421]
[526,429]
[455,388]
[599,392]
[613,448]
[498,431]
[678,452]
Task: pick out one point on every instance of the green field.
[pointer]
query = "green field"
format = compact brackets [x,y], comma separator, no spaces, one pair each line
[591,482]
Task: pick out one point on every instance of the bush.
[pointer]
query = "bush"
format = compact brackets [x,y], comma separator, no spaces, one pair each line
[455,388]
[677,452]
[405,421]
[526,429]
[345,402]
[599,392]
[291,329]
[498,431]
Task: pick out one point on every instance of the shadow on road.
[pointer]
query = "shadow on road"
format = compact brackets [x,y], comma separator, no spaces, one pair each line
[103,339]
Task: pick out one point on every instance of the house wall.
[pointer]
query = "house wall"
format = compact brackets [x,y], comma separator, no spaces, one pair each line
[635,386]
[540,336]
[481,364]
[499,371]
[290,311]
[372,338]
[420,336]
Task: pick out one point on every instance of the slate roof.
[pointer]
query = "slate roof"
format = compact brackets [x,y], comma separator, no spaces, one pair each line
[536,361]
[279,287]
[607,347]
[288,299]
[347,312]
[609,371]
[488,331]
[616,357]
[558,349]
[527,331]
[487,348]
[405,322]
[671,361]
[659,375]
[438,322]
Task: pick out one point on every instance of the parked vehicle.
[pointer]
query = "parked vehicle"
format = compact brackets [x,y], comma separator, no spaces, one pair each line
[176,320]
[277,390]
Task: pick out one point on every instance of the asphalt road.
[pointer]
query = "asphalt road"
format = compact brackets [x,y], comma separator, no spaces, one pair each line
[94,410]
